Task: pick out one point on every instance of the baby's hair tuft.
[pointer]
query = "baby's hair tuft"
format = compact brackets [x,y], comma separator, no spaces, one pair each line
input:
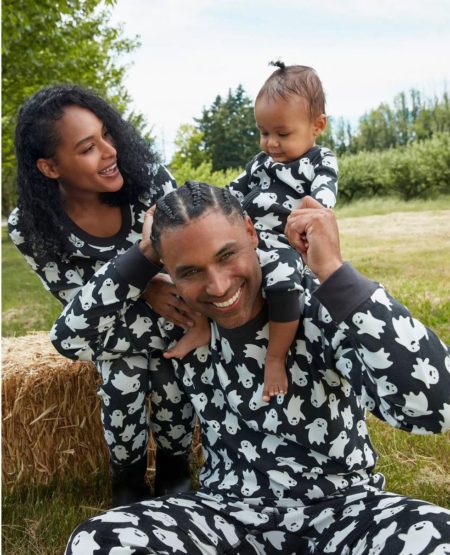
[287,81]
[279,64]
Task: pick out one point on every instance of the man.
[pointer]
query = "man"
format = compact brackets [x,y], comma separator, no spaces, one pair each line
[294,475]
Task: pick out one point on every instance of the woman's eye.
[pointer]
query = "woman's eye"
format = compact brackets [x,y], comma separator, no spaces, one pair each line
[87,149]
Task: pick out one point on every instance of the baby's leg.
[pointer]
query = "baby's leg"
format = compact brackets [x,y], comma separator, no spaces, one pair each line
[194,337]
[281,336]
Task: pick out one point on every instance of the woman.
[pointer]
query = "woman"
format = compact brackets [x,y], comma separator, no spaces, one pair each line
[85,181]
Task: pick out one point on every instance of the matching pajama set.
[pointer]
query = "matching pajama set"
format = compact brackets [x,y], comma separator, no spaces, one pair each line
[268,192]
[126,378]
[294,475]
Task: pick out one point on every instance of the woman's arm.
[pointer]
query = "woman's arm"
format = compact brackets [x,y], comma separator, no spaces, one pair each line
[61,278]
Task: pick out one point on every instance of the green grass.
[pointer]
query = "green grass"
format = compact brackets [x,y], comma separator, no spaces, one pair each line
[408,252]
[387,205]
[26,306]
[39,520]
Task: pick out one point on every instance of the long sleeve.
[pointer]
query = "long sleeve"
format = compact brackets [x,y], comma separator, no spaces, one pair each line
[400,368]
[94,325]
[324,186]
[240,187]
[58,276]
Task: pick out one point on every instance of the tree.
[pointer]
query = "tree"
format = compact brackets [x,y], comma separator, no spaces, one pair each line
[377,129]
[57,41]
[230,137]
[190,148]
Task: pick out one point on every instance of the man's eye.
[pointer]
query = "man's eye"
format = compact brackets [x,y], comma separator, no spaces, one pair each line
[189,273]
[226,256]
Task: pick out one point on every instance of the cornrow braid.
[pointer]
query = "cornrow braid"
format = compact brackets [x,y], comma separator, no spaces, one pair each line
[166,209]
[194,188]
[188,203]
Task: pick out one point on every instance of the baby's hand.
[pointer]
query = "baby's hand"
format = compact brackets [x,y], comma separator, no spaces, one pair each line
[194,337]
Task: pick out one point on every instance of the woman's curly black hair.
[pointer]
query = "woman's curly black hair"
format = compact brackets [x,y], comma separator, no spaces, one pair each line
[36,137]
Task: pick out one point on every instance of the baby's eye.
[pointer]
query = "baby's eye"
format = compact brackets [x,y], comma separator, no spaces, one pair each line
[283,134]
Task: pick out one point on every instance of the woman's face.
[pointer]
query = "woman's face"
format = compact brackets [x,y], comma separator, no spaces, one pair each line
[85,159]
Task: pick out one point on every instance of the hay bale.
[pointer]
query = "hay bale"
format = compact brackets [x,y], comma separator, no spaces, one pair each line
[51,424]
[51,414]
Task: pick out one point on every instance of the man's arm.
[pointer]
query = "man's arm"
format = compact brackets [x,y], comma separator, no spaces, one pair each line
[400,368]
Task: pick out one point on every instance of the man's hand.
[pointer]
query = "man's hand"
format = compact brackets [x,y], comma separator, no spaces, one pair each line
[145,244]
[312,230]
[162,296]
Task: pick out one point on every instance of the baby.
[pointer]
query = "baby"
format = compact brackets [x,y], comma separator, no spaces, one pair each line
[290,115]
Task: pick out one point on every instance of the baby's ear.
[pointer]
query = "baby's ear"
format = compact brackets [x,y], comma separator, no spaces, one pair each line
[48,167]
[319,124]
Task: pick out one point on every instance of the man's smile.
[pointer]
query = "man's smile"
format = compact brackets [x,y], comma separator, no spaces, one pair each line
[230,302]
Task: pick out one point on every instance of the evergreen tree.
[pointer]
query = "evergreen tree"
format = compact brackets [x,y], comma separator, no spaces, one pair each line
[230,136]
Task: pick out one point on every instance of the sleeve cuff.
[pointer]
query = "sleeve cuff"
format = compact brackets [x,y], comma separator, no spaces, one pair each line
[135,268]
[284,307]
[344,291]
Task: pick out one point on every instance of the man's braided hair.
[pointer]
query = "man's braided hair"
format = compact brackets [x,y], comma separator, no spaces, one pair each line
[189,202]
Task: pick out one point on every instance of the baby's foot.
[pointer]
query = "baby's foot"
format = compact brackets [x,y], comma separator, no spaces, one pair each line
[193,338]
[275,379]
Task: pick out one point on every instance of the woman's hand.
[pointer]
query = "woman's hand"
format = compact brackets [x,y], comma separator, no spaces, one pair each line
[145,244]
[161,294]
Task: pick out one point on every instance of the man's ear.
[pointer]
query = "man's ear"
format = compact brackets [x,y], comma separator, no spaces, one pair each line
[251,231]
[319,124]
[48,167]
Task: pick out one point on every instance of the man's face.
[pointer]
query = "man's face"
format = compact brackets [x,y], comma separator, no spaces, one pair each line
[213,263]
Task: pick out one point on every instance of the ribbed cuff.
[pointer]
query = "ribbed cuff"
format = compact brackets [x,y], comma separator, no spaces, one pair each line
[284,307]
[135,268]
[344,291]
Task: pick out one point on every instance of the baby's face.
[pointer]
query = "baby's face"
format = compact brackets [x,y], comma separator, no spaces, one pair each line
[286,128]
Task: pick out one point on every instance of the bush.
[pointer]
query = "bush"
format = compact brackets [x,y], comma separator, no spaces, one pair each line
[419,170]
[204,173]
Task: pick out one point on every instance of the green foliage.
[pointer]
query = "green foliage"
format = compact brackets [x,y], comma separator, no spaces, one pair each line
[409,119]
[57,41]
[204,173]
[189,143]
[230,137]
[421,169]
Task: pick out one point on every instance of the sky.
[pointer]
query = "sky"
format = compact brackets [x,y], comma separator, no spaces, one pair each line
[365,52]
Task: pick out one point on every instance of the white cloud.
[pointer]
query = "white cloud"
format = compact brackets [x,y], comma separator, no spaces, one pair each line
[365,52]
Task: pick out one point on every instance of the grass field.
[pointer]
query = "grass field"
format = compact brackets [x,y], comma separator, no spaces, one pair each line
[406,246]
